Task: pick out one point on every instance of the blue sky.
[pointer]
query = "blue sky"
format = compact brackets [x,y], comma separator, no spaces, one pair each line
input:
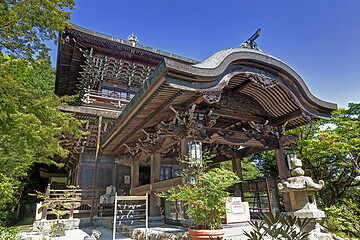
[320,39]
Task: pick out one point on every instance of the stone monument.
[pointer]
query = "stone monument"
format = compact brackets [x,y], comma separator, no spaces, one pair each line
[303,205]
[109,196]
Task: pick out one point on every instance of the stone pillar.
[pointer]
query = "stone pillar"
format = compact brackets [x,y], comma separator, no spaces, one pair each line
[284,174]
[155,167]
[134,178]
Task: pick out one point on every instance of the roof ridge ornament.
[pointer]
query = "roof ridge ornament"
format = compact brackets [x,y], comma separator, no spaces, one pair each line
[133,39]
[250,43]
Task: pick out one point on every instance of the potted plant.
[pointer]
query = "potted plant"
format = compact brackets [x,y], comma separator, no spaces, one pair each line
[204,195]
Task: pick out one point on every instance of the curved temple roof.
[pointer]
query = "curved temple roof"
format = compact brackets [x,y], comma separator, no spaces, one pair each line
[240,85]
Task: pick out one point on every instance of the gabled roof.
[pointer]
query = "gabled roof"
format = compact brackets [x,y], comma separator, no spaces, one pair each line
[240,85]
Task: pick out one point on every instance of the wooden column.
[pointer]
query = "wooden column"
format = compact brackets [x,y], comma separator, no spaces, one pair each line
[184,148]
[184,151]
[134,178]
[284,174]
[47,194]
[155,167]
[114,173]
[237,168]
[93,205]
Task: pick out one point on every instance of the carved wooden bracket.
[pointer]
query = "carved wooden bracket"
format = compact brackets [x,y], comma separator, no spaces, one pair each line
[288,141]
[308,116]
[212,96]
[187,124]
[262,80]
[132,150]
[225,150]
[265,128]
[151,143]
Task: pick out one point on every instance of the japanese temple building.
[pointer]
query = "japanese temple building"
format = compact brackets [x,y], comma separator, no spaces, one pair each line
[150,107]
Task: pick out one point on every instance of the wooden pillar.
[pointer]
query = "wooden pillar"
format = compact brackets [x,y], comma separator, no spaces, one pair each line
[47,194]
[284,174]
[155,167]
[155,171]
[98,150]
[134,178]
[184,148]
[114,173]
[237,168]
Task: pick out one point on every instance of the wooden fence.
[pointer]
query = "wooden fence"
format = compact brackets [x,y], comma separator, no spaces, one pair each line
[80,197]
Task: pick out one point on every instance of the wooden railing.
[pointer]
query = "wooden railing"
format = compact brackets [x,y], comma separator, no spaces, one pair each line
[157,186]
[80,197]
[113,99]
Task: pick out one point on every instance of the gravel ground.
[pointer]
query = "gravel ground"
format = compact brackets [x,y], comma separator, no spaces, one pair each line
[76,234]
[232,232]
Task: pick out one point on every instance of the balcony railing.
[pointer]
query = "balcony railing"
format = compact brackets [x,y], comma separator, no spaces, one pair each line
[112,100]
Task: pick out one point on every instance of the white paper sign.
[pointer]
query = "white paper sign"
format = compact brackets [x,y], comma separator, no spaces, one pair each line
[237,209]
[127,179]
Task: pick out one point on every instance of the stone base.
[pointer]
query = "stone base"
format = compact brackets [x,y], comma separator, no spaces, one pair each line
[317,234]
[74,223]
[313,214]
[70,224]
[313,226]
[155,233]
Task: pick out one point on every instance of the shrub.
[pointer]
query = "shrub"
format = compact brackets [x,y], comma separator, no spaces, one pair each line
[204,194]
[343,220]
[278,226]
[9,233]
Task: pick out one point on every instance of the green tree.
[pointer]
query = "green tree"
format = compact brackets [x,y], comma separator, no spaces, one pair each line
[250,171]
[8,200]
[39,74]
[330,151]
[26,24]
[30,123]
[266,162]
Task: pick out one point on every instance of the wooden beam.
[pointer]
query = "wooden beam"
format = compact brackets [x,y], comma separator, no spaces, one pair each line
[194,100]
[236,115]
[131,198]
[241,86]
[231,137]
[157,187]
[287,117]
[241,154]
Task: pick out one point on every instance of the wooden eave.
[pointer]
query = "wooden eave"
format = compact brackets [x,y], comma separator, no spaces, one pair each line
[70,58]
[181,84]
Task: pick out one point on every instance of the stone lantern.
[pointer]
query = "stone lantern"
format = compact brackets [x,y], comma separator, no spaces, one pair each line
[303,205]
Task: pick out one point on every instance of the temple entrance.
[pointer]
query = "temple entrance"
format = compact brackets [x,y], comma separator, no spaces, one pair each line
[261,194]
[144,175]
